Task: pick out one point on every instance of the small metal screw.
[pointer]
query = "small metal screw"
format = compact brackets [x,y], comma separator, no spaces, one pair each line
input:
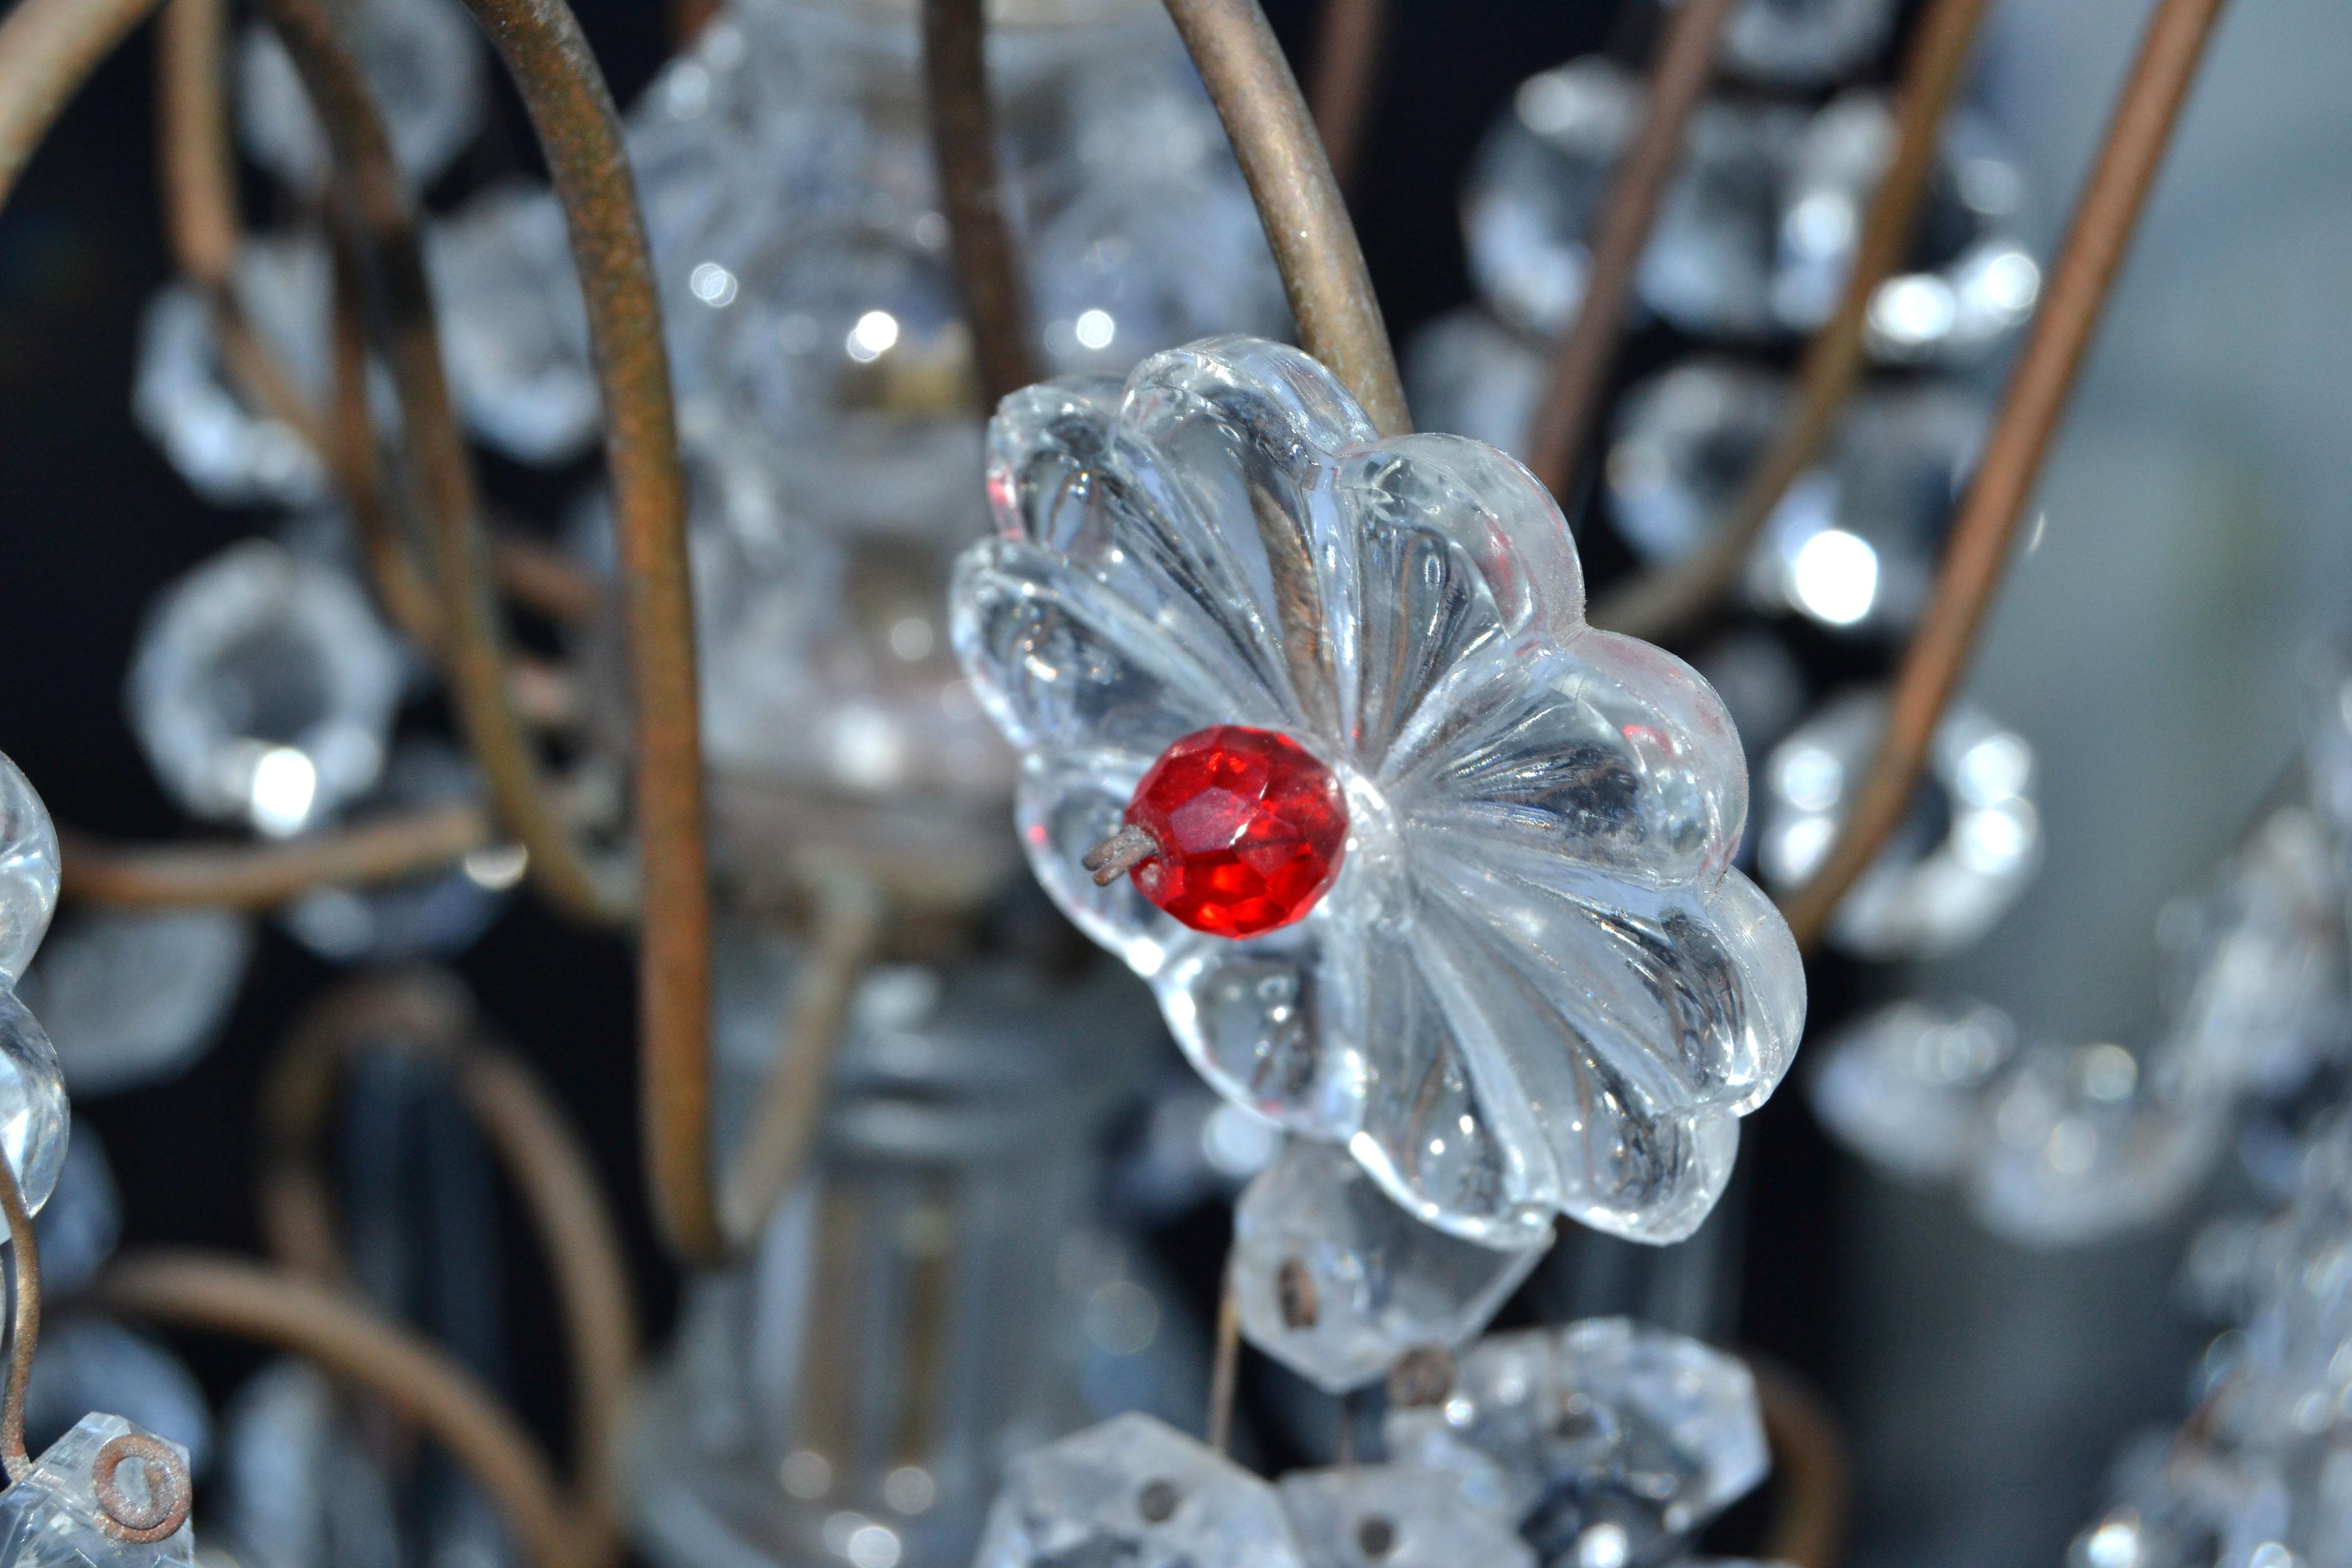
[1157,1501]
[1422,1376]
[1293,1292]
[1377,1536]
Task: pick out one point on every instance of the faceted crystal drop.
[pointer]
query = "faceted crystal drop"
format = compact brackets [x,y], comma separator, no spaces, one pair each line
[514,332]
[1964,856]
[133,996]
[33,1114]
[28,870]
[2083,1146]
[53,1517]
[1134,1491]
[424,60]
[1250,830]
[262,689]
[1394,1516]
[1906,1086]
[1803,42]
[1604,1440]
[1335,1282]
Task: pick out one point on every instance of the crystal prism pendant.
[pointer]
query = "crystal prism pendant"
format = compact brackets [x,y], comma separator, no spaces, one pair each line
[1906,1086]
[262,689]
[105,1495]
[1962,858]
[514,332]
[1535,984]
[1803,42]
[1969,280]
[2084,1145]
[1336,1282]
[1137,1490]
[1605,1440]
[29,870]
[1394,1516]
[133,996]
[423,58]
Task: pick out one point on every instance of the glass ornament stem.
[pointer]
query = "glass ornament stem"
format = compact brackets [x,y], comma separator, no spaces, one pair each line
[1659,603]
[963,143]
[1298,201]
[2137,135]
[1580,373]
[24,1323]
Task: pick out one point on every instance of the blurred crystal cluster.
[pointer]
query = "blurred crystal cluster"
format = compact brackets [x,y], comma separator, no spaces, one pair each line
[2056,1144]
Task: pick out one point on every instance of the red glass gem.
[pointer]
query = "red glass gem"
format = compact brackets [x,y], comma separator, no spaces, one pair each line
[1250,827]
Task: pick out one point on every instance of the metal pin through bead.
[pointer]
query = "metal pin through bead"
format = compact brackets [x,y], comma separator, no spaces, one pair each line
[1120,853]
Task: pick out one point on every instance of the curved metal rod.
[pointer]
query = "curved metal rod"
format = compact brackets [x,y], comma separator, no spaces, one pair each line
[47,49]
[24,1323]
[1661,602]
[572,111]
[228,1294]
[250,876]
[193,142]
[2127,159]
[1810,1466]
[1225,1369]
[1580,370]
[1298,202]
[472,644]
[1348,37]
[429,1014]
[963,145]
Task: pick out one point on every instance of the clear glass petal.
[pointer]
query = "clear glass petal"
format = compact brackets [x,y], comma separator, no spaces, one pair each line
[1272,1023]
[28,870]
[1335,1281]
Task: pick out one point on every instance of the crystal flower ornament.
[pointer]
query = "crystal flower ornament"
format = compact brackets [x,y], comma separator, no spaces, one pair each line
[1417,861]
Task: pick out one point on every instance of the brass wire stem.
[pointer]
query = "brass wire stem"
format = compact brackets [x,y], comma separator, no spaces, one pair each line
[1810,1471]
[1225,1369]
[1298,202]
[1349,36]
[193,142]
[579,130]
[371,199]
[253,876]
[1658,604]
[24,1323]
[1581,369]
[47,49]
[228,1295]
[429,1014]
[963,145]
[2137,132]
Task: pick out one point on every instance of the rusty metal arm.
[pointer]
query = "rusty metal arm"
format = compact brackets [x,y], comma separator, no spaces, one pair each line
[1349,36]
[963,145]
[2137,135]
[256,876]
[1298,202]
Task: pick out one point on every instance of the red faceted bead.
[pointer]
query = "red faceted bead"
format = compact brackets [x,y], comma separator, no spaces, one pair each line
[1250,830]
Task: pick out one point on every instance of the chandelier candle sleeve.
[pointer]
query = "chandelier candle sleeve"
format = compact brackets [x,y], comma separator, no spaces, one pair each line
[1315,737]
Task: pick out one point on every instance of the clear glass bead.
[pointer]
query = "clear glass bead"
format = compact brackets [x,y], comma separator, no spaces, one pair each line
[1905,1087]
[1969,280]
[210,425]
[1335,1282]
[28,870]
[134,997]
[435,913]
[1685,444]
[52,1519]
[514,332]
[1536,985]
[1134,1489]
[2084,1144]
[1803,42]
[423,58]
[85,1362]
[1542,175]
[1961,858]
[1605,1439]
[34,1120]
[1393,1516]
[262,689]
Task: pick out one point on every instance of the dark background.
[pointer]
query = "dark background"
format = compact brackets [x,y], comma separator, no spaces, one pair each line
[95,521]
